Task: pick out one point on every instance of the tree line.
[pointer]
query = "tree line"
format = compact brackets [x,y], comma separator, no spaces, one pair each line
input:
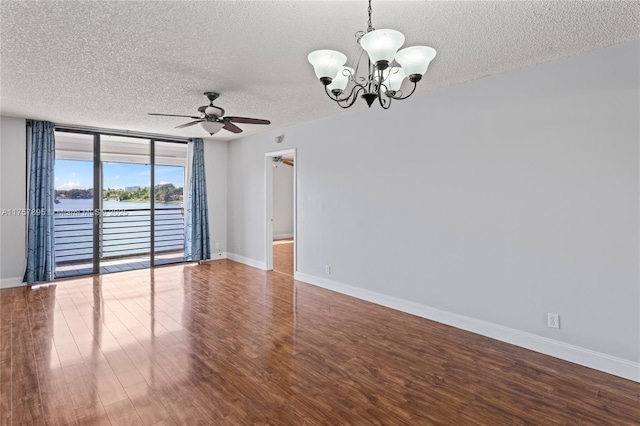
[165,193]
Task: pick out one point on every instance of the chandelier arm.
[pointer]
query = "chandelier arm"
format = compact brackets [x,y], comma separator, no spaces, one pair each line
[405,97]
[334,97]
[356,65]
[349,99]
[384,89]
[355,92]
[382,103]
[378,83]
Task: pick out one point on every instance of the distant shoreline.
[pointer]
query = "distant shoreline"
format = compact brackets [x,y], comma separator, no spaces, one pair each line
[163,193]
[137,200]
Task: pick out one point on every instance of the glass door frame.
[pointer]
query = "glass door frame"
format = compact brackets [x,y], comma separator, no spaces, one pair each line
[98,181]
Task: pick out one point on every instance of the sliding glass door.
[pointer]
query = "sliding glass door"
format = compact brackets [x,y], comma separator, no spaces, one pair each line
[124,210]
[73,211]
[125,222]
[169,183]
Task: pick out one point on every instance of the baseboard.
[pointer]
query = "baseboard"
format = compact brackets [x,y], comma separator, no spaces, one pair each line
[247,261]
[578,355]
[282,236]
[11,282]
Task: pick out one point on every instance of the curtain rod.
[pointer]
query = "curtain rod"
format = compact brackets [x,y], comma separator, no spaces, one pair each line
[116,132]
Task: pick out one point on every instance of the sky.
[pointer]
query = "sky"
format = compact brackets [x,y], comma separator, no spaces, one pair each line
[71,174]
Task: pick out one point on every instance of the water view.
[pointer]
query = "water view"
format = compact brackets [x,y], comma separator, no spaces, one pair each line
[87,204]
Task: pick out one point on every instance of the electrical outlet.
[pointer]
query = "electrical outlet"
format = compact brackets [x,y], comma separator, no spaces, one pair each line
[553,320]
[327,269]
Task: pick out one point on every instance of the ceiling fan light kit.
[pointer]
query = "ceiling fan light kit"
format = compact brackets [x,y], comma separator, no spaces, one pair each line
[384,79]
[211,127]
[212,118]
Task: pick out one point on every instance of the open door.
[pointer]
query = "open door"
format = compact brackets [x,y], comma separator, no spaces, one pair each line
[280,217]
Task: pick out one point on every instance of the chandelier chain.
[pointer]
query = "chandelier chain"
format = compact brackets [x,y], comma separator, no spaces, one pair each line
[369,27]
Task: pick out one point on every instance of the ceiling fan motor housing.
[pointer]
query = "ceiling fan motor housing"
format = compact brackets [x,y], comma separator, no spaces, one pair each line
[213,111]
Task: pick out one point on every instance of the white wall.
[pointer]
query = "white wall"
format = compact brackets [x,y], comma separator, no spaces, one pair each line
[484,205]
[13,189]
[283,201]
[245,198]
[215,163]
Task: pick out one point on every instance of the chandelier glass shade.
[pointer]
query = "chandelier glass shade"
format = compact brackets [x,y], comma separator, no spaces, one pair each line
[386,70]
[382,45]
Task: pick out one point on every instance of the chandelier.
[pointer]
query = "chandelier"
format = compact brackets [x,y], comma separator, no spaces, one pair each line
[387,68]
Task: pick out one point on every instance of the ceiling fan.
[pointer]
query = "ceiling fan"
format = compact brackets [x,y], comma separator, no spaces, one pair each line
[212,118]
[280,160]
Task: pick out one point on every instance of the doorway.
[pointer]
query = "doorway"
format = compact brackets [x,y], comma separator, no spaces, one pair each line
[280,238]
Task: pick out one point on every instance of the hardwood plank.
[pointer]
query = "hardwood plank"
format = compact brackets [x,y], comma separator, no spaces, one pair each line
[92,415]
[283,256]
[108,387]
[82,387]
[5,403]
[147,405]
[123,413]
[57,404]
[23,366]
[27,410]
[223,343]
[124,369]
[167,422]
[189,413]
[70,354]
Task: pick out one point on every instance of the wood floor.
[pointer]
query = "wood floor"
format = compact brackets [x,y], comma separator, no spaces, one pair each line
[283,256]
[223,343]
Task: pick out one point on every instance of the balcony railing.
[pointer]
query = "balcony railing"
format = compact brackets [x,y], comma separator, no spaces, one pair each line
[123,233]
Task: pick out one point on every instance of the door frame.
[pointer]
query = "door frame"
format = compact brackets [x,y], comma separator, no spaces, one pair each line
[268,216]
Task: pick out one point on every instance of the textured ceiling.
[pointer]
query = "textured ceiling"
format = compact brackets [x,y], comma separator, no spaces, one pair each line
[106,64]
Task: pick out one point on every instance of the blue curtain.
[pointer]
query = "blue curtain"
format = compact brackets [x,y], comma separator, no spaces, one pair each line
[196,234]
[41,262]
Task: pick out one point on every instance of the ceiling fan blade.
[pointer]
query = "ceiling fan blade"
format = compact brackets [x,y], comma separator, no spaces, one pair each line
[173,115]
[191,123]
[247,120]
[231,127]
[288,162]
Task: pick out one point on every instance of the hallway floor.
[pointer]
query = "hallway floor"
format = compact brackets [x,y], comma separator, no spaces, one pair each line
[283,256]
